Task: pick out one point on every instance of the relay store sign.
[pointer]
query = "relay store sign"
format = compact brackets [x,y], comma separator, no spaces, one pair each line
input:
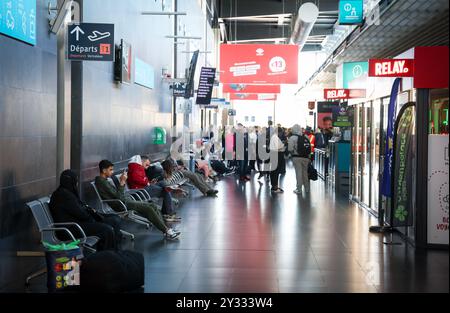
[246,88]
[259,64]
[91,42]
[391,68]
[337,94]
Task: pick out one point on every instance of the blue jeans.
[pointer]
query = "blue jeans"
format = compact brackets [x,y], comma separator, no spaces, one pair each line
[157,190]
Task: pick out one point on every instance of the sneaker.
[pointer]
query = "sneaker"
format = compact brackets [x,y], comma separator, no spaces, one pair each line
[278,190]
[172,234]
[299,192]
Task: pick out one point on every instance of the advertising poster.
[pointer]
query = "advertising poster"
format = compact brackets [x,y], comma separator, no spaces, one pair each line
[325,109]
[438,173]
[403,169]
[259,64]
[342,117]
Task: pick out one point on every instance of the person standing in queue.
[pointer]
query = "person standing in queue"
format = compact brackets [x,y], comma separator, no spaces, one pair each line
[300,149]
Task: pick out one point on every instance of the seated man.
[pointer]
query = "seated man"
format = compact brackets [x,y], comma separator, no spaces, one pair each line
[171,167]
[67,207]
[109,192]
[137,179]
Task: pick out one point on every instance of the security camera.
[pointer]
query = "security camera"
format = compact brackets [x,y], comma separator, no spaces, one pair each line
[58,21]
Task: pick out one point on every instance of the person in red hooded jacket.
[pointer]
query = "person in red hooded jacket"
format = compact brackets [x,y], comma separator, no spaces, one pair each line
[137,179]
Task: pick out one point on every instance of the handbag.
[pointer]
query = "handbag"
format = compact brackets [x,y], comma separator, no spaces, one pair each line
[312,172]
[63,265]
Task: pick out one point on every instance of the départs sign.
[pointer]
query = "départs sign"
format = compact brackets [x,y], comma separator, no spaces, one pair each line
[259,64]
[391,68]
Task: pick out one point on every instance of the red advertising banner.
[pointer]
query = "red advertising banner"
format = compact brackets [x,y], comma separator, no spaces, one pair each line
[259,64]
[246,88]
[253,96]
[342,94]
[391,68]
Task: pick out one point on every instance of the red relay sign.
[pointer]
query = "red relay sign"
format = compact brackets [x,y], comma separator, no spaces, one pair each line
[259,64]
[336,94]
[391,68]
[342,94]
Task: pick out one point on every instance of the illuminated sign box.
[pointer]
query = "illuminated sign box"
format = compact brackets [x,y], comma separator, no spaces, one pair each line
[351,12]
[391,68]
[342,94]
[18,19]
[259,64]
[247,88]
[144,74]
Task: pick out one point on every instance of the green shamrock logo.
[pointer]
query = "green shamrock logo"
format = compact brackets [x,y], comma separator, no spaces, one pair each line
[401,213]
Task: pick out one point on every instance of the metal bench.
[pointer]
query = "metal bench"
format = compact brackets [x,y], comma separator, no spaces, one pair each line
[126,214]
[48,229]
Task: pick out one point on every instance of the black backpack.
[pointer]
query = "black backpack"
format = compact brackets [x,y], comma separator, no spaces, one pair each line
[303,146]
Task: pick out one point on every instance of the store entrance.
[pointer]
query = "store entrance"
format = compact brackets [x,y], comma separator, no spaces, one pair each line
[368,149]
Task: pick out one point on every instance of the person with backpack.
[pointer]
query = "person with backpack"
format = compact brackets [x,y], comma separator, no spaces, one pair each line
[300,149]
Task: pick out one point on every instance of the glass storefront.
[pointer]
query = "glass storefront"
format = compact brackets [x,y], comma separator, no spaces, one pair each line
[368,147]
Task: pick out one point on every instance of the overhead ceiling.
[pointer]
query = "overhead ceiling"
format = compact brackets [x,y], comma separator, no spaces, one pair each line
[271,21]
[404,24]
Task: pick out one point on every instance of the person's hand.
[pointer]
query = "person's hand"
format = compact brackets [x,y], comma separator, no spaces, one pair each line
[123,178]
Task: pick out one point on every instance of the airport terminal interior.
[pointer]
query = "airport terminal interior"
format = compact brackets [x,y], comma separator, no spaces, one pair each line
[224,146]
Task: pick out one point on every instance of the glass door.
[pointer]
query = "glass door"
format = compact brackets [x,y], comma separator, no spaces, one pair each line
[356,151]
[375,153]
[365,160]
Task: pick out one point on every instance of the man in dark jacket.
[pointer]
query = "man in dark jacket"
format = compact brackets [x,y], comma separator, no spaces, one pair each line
[66,207]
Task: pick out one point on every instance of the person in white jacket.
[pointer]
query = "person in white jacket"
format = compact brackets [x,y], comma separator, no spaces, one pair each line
[277,149]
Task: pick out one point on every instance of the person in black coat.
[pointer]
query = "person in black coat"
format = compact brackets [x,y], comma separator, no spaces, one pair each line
[67,207]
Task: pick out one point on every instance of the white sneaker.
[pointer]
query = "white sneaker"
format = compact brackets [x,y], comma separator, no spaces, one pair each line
[172,234]
[299,192]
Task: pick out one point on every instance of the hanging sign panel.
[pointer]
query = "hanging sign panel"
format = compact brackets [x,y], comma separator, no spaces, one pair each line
[206,85]
[253,96]
[341,94]
[247,88]
[351,12]
[91,42]
[18,19]
[259,64]
[391,68]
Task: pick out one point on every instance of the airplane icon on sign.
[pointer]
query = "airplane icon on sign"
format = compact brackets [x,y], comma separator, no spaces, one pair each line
[96,35]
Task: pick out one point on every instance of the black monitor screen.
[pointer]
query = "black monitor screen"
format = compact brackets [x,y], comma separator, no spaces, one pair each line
[189,92]
[123,63]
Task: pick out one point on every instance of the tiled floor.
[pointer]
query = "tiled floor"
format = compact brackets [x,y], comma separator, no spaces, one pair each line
[247,240]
